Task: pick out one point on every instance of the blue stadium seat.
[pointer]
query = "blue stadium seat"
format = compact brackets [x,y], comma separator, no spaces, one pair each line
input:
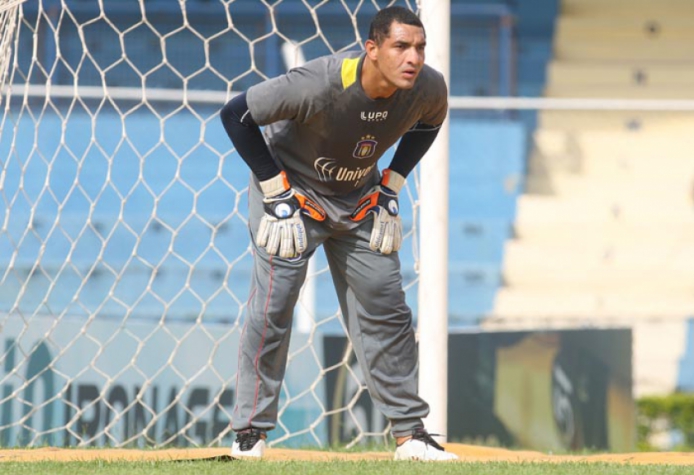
[473,240]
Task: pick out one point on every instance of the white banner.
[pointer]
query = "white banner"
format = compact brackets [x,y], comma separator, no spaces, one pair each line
[106,382]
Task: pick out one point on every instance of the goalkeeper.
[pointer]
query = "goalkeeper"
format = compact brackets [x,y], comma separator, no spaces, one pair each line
[315,181]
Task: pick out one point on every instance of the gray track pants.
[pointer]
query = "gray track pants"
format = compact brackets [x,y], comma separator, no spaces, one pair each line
[379,322]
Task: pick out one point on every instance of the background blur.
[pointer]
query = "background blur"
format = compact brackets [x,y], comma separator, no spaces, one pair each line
[125,203]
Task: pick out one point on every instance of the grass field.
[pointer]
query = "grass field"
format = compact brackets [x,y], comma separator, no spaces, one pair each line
[477,460]
[334,467]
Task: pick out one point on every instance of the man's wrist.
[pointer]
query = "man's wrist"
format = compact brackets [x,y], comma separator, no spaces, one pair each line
[392,180]
[275,185]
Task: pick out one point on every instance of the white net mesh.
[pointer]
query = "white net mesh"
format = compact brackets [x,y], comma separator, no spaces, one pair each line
[124,259]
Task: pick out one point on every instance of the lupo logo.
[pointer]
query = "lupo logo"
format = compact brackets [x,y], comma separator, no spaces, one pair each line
[374,116]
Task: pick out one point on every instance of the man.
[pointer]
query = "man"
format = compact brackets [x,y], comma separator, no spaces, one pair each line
[315,182]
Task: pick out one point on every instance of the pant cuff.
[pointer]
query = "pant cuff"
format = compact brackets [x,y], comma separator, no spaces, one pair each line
[403,428]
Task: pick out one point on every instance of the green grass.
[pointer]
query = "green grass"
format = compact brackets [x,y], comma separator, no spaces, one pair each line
[321,468]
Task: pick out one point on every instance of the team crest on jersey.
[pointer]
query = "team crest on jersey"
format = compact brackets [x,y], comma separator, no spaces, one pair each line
[365,148]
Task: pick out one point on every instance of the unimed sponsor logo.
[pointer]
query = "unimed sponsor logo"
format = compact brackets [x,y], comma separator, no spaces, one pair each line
[345,174]
[328,170]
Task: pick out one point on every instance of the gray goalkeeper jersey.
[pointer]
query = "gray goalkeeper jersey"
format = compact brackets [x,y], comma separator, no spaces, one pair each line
[327,134]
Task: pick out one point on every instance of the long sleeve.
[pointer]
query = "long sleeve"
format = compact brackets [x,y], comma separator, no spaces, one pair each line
[247,138]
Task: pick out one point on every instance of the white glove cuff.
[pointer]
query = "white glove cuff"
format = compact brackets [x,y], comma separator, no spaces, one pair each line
[275,185]
[392,180]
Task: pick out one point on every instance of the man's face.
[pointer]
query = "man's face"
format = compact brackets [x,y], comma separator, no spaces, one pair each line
[400,57]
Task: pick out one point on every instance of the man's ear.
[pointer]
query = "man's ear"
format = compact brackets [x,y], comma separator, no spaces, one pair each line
[371,49]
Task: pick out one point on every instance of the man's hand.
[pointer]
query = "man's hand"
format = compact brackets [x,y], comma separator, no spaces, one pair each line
[382,201]
[282,231]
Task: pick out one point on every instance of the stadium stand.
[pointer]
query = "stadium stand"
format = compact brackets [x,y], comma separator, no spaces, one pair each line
[603,232]
[488,160]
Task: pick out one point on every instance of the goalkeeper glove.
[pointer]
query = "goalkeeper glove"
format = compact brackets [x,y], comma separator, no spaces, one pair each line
[382,201]
[282,231]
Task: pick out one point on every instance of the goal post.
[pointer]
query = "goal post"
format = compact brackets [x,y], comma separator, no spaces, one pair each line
[9,11]
[432,325]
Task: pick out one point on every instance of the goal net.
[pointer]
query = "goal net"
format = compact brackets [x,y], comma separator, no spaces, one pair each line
[124,251]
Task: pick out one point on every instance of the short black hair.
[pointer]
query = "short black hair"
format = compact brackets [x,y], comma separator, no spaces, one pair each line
[380,25]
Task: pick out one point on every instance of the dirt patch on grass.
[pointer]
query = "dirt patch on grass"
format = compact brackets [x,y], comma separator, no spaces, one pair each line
[467,453]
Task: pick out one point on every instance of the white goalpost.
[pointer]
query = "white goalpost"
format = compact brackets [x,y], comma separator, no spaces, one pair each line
[8,21]
[433,253]
[124,258]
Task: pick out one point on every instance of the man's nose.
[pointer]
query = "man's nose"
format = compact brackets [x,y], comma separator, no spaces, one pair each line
[414,56]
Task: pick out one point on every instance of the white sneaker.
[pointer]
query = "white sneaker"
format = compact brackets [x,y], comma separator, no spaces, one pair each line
[249,443]
[422,447]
